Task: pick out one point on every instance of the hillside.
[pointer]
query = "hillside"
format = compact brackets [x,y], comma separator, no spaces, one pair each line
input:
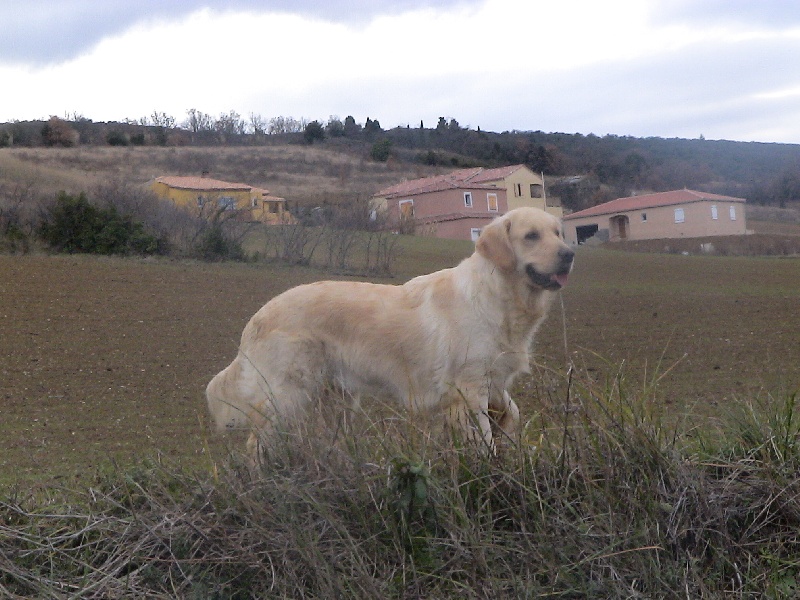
[302,174]
[582,169]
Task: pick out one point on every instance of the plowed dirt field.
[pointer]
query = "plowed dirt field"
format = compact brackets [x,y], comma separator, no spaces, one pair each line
[106,359]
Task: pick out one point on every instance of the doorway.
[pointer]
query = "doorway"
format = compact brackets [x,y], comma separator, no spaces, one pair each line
[620,227]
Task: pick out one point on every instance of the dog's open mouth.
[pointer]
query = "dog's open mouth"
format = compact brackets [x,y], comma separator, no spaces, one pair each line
[551,281]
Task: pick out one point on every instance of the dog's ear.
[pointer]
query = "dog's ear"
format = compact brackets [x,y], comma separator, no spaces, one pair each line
[494,244]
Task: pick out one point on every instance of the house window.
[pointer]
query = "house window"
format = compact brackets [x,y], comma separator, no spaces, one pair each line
[474,233]
[491,200]
[200,201]
[518,189]
[644,217]
[680,217]
[536,190]
[733,213]
[406,209]
[254,203]
[714,214]
[226,203]
[468,199]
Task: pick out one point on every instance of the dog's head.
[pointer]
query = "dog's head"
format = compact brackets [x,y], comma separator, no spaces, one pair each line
[527,241]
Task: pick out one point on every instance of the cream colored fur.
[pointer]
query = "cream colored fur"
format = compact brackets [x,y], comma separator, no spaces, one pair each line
[449,341]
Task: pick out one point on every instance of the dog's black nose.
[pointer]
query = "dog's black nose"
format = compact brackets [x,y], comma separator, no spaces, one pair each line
[566,255]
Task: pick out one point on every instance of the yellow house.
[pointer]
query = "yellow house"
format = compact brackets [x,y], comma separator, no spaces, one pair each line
[268,208]
[523,187]
[207,196]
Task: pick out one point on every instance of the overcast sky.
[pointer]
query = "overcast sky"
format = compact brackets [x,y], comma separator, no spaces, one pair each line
[724,69]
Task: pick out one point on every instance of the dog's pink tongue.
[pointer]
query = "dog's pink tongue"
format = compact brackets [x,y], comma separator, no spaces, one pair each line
[561,279]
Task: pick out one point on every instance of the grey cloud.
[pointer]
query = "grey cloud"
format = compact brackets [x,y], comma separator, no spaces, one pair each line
[48,31]
[707,89]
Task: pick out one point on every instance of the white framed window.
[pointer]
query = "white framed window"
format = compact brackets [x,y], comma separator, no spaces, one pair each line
[714,215]
[468,199]
[474,233]
[680,217]
[644,217]
[491,200]
[733,213]
[518,189]
[406,209]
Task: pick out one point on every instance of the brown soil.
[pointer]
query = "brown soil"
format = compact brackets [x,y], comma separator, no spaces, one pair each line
[106,359]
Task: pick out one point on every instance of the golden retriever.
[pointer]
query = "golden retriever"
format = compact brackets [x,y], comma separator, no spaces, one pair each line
[450,341]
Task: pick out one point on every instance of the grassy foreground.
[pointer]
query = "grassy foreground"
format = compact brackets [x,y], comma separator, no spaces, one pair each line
[599,498]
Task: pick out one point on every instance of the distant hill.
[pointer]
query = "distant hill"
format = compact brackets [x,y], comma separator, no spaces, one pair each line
[582,169]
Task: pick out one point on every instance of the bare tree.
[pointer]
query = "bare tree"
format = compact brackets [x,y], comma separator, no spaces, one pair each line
[258,124]
[161,119]
[278,125]
[231,124]
[198,121]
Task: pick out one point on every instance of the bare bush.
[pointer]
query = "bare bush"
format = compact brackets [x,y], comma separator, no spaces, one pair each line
[19,208]
[358,241]
[342,235]
[381,251]
[294,243]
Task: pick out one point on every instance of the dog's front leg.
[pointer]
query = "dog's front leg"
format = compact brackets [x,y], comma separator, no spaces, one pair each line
[505,412]
[469,414]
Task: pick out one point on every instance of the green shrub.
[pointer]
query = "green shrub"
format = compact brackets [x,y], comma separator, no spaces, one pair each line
[314,132]
[214,244]
[117,138]
[73,224]
[381,150]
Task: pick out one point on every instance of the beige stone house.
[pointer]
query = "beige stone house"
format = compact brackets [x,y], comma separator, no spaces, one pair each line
[675,214]
[458,204]
[523,187]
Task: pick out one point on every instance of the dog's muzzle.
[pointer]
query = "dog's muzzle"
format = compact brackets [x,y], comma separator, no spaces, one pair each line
[554,280]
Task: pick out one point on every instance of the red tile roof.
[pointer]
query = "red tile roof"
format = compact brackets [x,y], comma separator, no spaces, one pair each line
[475,179]
[201,183]
[650,201]
[495,174]
[456,216]
[266,194]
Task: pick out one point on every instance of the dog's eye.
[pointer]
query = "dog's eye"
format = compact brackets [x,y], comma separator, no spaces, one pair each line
[532,235]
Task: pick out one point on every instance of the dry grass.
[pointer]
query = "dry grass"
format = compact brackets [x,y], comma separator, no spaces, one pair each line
[301,174]
[599,498]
